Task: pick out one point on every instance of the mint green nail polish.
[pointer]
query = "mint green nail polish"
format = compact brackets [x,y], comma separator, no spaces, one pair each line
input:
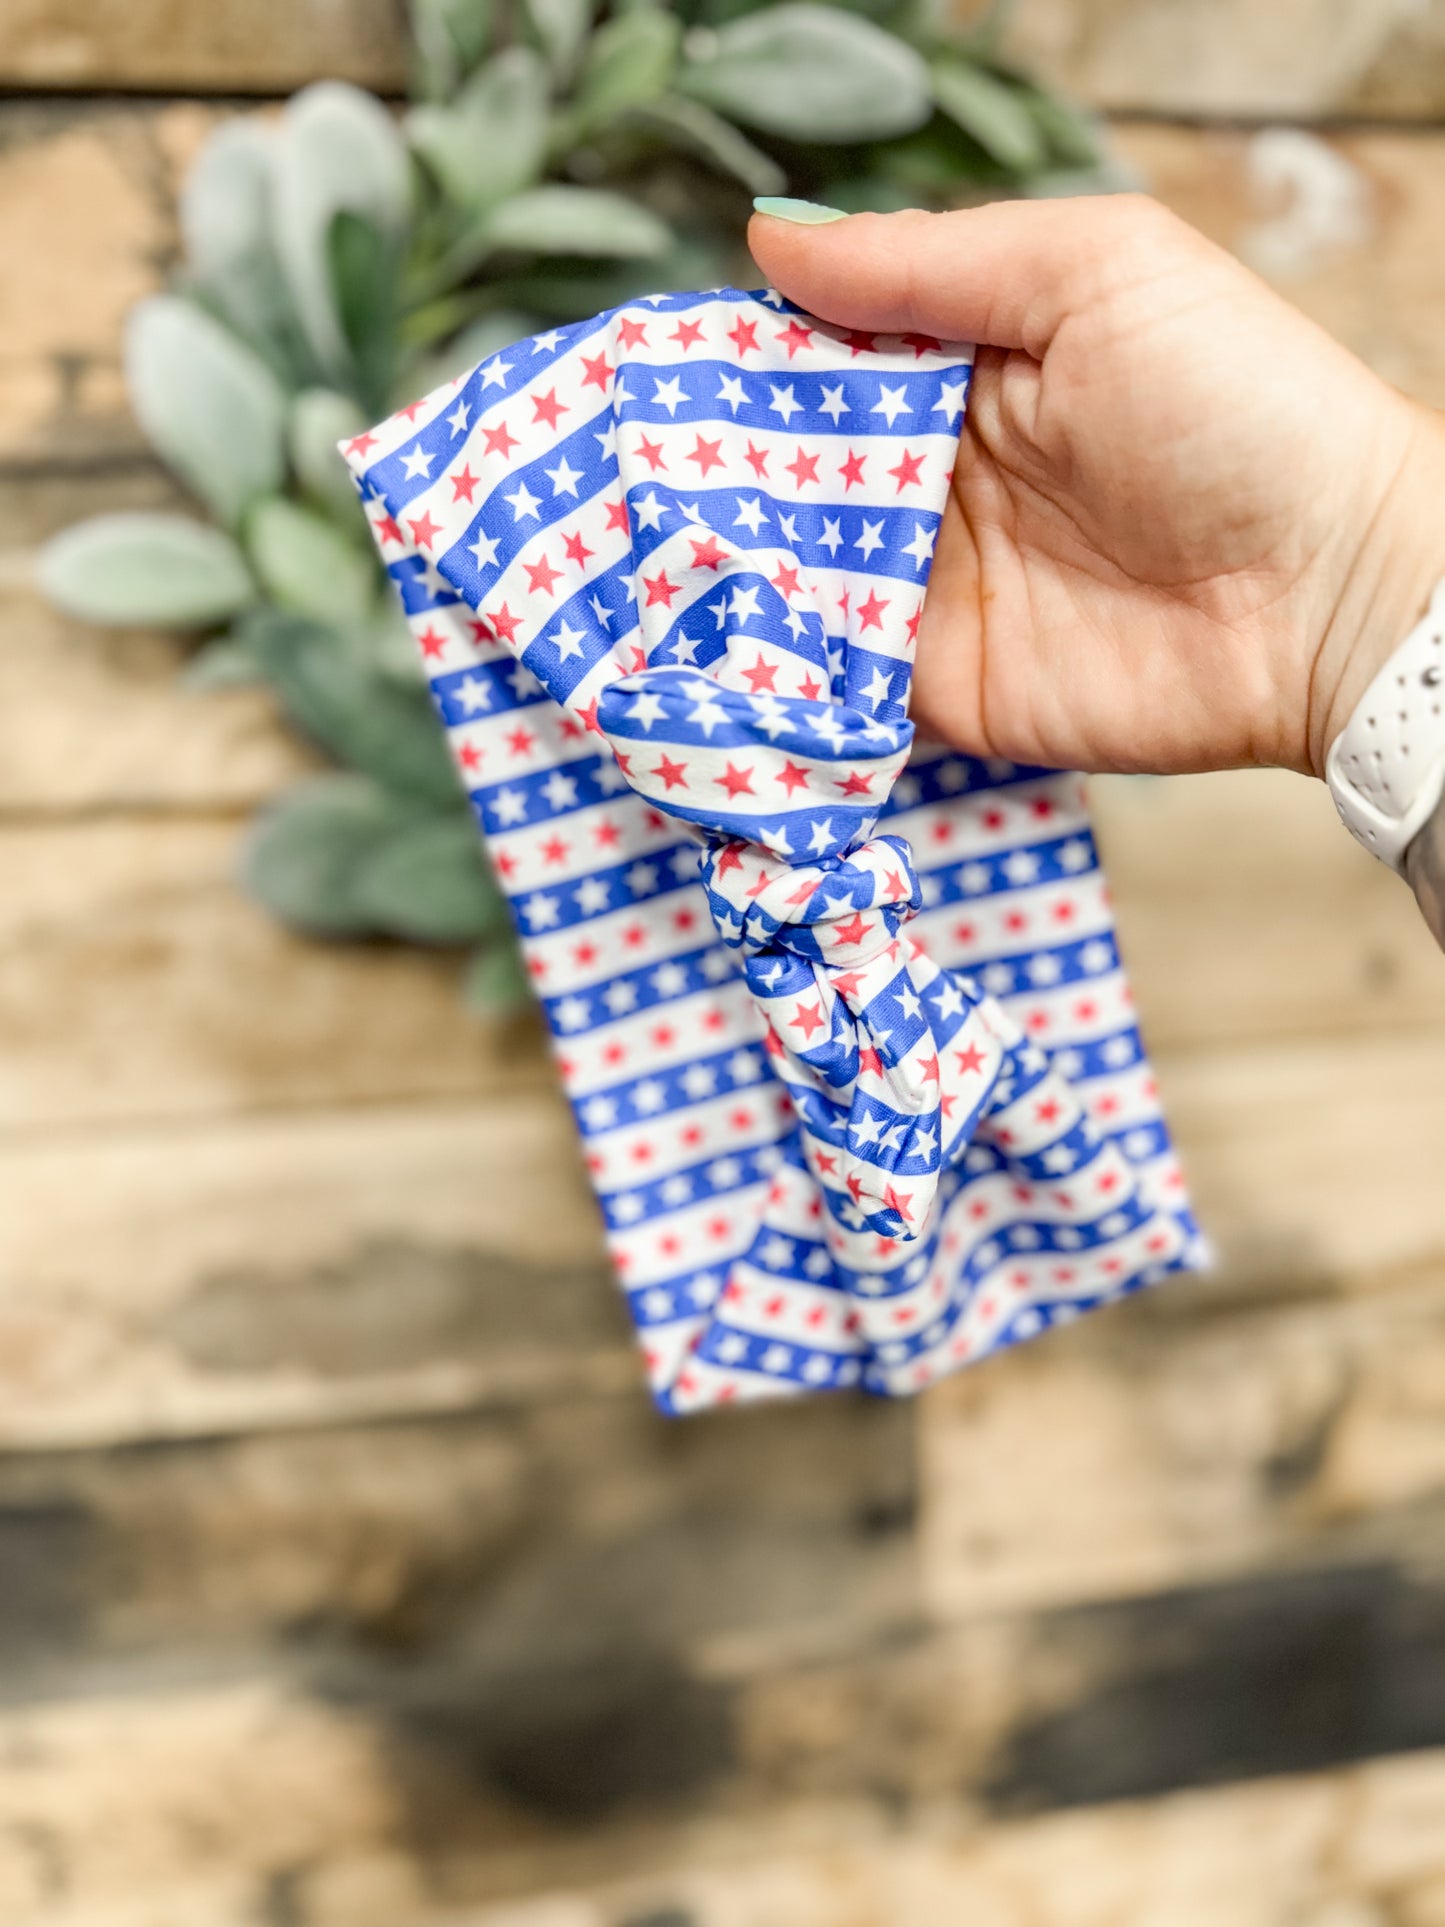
[806,213]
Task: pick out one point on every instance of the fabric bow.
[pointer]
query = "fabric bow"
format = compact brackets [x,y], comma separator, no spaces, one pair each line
[708,543]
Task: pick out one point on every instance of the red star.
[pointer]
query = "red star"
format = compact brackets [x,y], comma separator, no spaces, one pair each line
[541,576]
[929,1067]
[481,631]
[463,484]
[359,444]
[388,529]
[743,335]
[707,555]
[757,461]
[577,549]
[896,1201]
[909,469]
[920,344]
[913,622]
[808,1018]
[430,643]
[706,454]
[547,408]
[606,834]
[632,333]
[970,1059]
[792,777]
[674,775]
[869,1060]
[871,611]
[499,440]
[599,372]
[803,467]
[617,516]
[554,850]
[737,782]
[847,981]
[762,675]
[731,859]
[794,337]
[860,343]
[659,589]
[785,581]
[504,623]
[424,532]
[521,742]
[853,931]
[686,334]
[651,453]
[469,756]
[410,411]
[855,783]
[810,690]
[852,469]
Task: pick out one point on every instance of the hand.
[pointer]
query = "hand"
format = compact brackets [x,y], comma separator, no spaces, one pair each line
[1185,526]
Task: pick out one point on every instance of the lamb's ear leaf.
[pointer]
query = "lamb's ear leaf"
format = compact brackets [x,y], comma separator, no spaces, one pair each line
[160,571]
[428,881]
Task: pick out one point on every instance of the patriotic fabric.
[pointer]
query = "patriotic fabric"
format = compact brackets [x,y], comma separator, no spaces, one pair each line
[842,1019]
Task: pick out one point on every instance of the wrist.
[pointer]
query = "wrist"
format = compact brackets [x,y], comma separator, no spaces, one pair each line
[1386,584]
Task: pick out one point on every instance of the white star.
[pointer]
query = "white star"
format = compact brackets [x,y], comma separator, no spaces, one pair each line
[591,895]
[686,649]
[891,403]
[417,463]
[475,695]
[606,439]
[564,478]
[600,610]
[731,392]
[950,399]
[831,537]
[744,604]
[620,998]
[784,402]
[649,511]
[869,540]
[524,502]
[667,394]
[833,404]
[948,997]
[921,547]
[879,688]
[820,839]
[544,344]
[568,640]
[510,806]
[720,610]
[708,713]
[540,911]
[457,420]
[750,515]
[573,1012]
[908,1002]
[789,526]
[647,710]
[495,373]
[560,791]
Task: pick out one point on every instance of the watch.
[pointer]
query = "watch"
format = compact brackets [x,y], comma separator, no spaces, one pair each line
[1386,768]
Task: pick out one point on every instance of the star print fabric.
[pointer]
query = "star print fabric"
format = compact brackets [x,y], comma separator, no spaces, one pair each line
[841,1018]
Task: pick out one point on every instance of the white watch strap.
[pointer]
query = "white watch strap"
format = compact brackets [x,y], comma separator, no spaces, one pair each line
[1386,768]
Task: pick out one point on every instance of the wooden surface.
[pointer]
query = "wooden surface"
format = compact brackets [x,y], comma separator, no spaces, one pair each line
[347,1576]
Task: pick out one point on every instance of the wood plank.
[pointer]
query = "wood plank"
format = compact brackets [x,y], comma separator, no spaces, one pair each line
[230,1275]
[1245,911]
[266,46]
[138,983]
[300,1269]
[1160,1445]
[1295,59]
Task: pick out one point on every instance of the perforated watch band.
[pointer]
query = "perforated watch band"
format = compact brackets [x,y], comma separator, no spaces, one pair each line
[1386,768]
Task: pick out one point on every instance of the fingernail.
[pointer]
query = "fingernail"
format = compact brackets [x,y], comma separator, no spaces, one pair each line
[805,213]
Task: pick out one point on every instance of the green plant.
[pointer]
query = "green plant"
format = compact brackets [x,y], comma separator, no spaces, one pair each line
[344,260]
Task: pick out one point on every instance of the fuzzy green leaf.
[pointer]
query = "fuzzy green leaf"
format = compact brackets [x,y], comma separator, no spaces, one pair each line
[695,129]
[561,29]
[305,850]
[337,152]
[1072,137]
[492,139]
[429,881]
[809,73]
[992,113]
[451,36]
[587,221]
[306,564]
[497,983]
[333,689]
[213,410]
[165,571]
[320,418]
[631,61]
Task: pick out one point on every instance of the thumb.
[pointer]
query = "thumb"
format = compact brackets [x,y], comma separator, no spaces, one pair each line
[1005,275]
